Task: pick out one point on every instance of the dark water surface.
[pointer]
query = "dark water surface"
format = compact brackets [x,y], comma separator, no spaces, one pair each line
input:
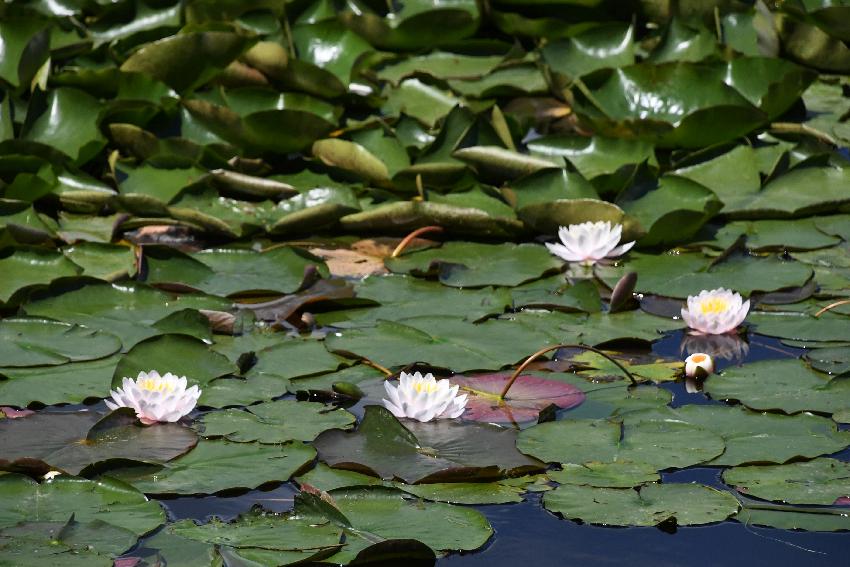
[527,535]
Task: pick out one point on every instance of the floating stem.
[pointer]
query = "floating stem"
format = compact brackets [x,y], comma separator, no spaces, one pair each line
[406,240]
[387,372]
[832,306]
[531,359]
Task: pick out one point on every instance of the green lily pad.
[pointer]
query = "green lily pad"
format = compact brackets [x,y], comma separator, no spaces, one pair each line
[442,341]
[106,500]
[27,268]
[254,118]
[660,443]
[600,47]
[388,514]
[187,60]
[619,474]
[676,107]
[821,481]
[673,212]
[757,438]
[294,359]
[688,504]
[74,441]
[104,261]
[40,342]
[227,271]
[437,451]
[396,297]
[213,466]
[788,518]
[128,310]
[464,264]
[83,543]
[686,274]
[62,383]
[786,385]
[275,422]
[67,124]
[182,355]
[594,156]
[417,24]
[800,326]
[402,217]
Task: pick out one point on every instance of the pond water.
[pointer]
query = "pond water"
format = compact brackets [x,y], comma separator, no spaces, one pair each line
[527,533]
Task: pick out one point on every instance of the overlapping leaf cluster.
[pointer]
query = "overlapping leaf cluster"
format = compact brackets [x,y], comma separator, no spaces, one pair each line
[215,188]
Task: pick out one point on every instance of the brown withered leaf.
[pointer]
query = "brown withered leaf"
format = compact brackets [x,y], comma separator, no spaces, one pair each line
[364,257]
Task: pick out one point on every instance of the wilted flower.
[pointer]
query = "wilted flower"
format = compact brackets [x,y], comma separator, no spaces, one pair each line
[154,397]
[698,365]
[424,398]
[589,242]
[715,312]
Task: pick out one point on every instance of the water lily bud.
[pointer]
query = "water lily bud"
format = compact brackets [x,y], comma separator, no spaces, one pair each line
[698,365]
[348,389]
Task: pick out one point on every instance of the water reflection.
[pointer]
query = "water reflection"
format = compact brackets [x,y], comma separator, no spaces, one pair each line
[729,346]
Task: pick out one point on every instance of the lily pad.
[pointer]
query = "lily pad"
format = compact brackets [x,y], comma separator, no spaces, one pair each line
[181,355]
[213,466]
[660,443]
[460,264]
[39,342]
[688,504]
[438,451]
[275,422]
[396,297]
[228,271]
[528,396]
[106,500]
[74,441]
[619,474]
[786,385]
[442,341]
[821,481]
[61,383]
[757,438]
[27,268]
[686,274]
[83,543]
[128,310]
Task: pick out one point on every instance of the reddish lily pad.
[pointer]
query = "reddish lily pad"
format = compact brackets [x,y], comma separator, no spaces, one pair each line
[528,396]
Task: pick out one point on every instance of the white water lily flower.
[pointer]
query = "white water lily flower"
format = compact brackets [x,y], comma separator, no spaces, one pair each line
[424,398]
[589,242]
[698,365]
[715,312]
[50,475]
[154,397]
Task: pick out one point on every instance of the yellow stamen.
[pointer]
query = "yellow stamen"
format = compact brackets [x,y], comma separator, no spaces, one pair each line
[428,387]
[698,357]
[153,385]
[714,306]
